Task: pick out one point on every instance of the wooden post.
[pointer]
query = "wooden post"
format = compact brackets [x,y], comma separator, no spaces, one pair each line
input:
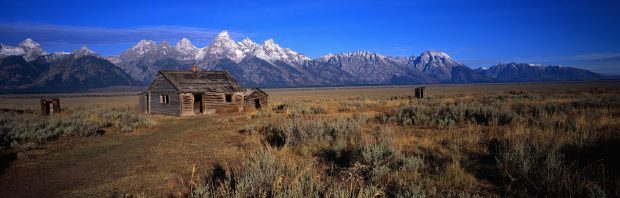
[180,96]
[203,103]
[44,107]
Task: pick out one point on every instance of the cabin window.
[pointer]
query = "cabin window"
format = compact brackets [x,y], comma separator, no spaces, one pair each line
[228,97]
[164,99]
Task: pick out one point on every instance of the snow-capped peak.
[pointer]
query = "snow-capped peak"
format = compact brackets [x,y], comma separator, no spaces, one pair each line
[368,54]
[6,50]
[223,37]
[164,44]
[247,46]
[29,44]
[435,54]
[271,52]
[184,41]
[248,41]
[188,51]
[184,45]
[143,47]
[434,59]
[355,55]
[326,57]
[535,65]
[438,64]
[270,43]
[224,34]
[84,51]
[32,49]
[145,43]
[224,47]
[517,64]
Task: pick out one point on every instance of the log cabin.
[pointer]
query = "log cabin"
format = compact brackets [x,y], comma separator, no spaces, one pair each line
[187,93]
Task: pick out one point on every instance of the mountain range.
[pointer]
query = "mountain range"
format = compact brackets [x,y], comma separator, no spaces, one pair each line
[29,67]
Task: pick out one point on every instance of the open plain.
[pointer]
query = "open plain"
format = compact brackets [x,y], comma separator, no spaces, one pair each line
[490,140]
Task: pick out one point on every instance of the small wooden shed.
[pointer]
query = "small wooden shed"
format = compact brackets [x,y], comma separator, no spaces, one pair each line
[185,93]
[255,99]
[50,105]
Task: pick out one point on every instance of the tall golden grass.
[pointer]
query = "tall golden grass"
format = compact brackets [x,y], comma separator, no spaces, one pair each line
[520,144]
[20,129]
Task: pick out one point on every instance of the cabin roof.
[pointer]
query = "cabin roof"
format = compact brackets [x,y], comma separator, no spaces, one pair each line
[250,91]
[201,81]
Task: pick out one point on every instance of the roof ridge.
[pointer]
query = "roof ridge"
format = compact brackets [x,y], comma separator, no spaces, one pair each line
[201,81]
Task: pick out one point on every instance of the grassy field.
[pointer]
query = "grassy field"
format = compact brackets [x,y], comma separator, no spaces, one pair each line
[496,140]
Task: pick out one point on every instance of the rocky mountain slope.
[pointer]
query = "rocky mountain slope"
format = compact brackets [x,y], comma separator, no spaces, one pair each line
[523,72]
[28,67]
[266,64]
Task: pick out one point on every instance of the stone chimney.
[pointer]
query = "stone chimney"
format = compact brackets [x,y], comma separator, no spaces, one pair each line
[194,68]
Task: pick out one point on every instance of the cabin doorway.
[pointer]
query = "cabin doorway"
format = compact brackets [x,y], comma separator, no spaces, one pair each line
[148,103]
[257,103]
[198,104]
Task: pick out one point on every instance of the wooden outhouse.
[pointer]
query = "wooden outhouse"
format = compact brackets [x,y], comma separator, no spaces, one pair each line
[185,93]
[419,92]
[50,106]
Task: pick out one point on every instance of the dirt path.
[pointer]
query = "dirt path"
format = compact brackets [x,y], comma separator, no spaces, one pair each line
[155,161]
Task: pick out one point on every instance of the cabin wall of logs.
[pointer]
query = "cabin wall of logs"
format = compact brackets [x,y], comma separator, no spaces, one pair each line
[209,103]
[187,104]
[221,103]
[186,93]
[163,103]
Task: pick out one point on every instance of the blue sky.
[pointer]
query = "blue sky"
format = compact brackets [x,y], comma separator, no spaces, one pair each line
[478,33]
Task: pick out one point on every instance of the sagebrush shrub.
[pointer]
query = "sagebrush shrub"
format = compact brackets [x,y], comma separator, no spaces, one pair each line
[16,128]
[301,131]
[263,175]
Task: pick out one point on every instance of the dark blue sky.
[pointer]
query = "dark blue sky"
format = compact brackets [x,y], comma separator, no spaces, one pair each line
[478,33]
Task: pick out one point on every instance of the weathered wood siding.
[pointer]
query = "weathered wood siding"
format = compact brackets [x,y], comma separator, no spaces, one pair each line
[161,86]
[249,101]
[187,104]
[181,87]
[171,108]
[216,102]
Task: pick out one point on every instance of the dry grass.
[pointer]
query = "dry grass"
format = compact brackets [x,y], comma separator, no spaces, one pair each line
[523,140]
[549,143]
[25,128]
